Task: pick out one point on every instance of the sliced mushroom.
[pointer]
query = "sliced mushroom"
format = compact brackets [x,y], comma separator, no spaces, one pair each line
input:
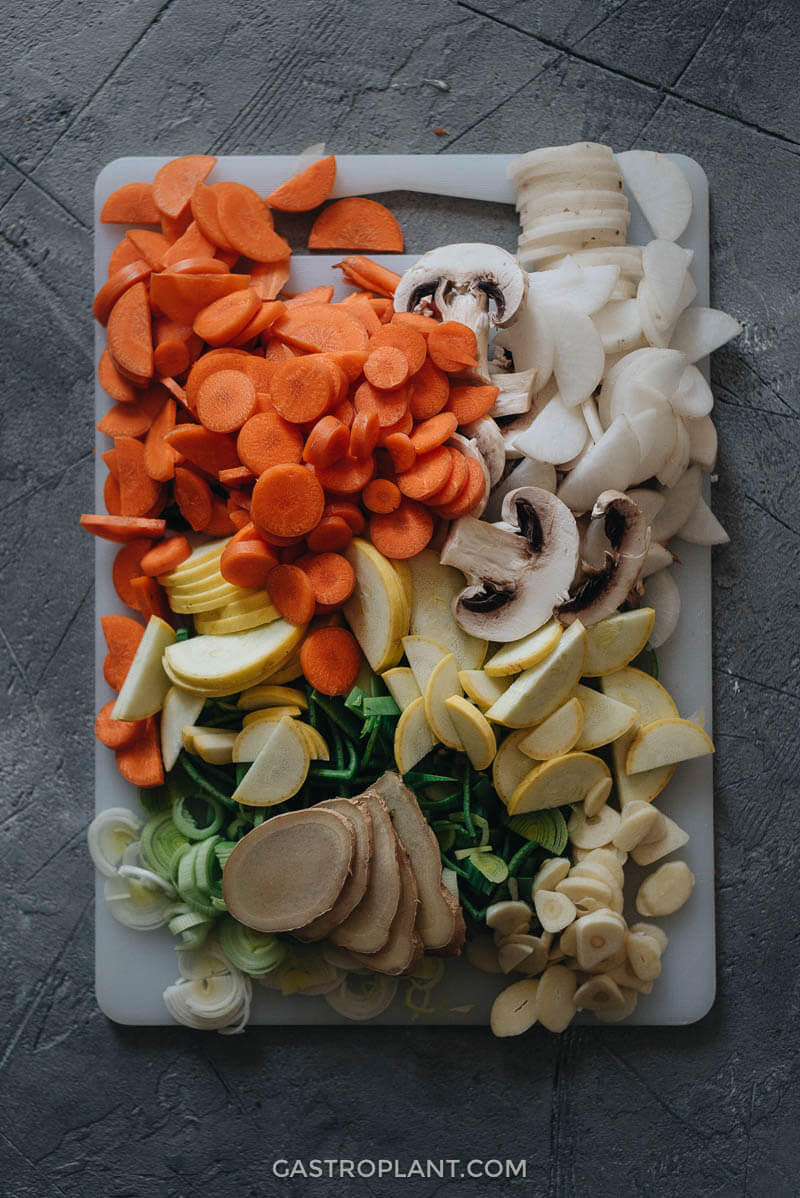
[491,446]
[517,571]
[460,282]
[600,592]
[515,391]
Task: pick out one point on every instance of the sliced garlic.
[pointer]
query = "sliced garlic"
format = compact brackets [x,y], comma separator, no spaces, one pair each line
[509,917]
[555,1006]
[658,830]
[608,856]
[624,976]
[644,956]
[600,993]
[568,942]
[596,797]
[636,822]
[599,934]
[550,873]
[555,911]
[595,831]
[588,894]
[665,890]
[483,954]
[620,957]
[536,959]
[674,838]
[514,1009]
[652,929]
[617,1014]
[511,956]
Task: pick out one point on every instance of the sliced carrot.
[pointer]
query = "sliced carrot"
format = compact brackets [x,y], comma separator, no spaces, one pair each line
[194,498]
[363,272]
[362,309]
[315,295]
[131,419]
[176,180]
[291,592]
[264,317]
[116,286]
[383,308]
[332,534]
[287,500]
[307,189]
[452,346]
[122,635]
[130,337]
[171,354]
[175,390]
[174,227]
[404,425]
[364,433]
[356,224]
[237,517]
[226,400]
[150,246]
[301,389]
[429,391]
[424,325]
[328,442]
[140,762]
[458,478]
[276,351]
[165,556]
[347,477]
[240,499]
[345,413]
[131,204]
[408,341]
[247,563]
[402,451]
[113,383]
[127,565]
[321,328]
[386,368]
[382,495]
[123,254]
[389,406]
[402,533]
[349,512]
[199,266]
[220,524]
[191,244]
[122,528]
[237,477]
[111,497]
[258,370]
[470,403]
[182,296]
[351,361]
[151,599]
[222,320]
[266,440]
[115,734]
[434,431]
[247,224]
[330,659]
[138,491]
[331,576]
[207,365]
[429,472]
[204,211]
[338,377]
[269,278]
[209,451]
[468,497]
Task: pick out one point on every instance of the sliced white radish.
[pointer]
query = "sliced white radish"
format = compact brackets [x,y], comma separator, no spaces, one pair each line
[580,157]
[679,503]
[693,397]
[611,462]
[586,289]
[109,834]
[589,409]
[658,558]
[623,289]
[662,594]
[627,257]
[632,397]
[661,190]
[703,527]
[678,461]
[666,266]
[619,326]
[656,430]
[530,341]
[660,369]
[526,473]
[557,435]
[702,442]
[649,501]
[700,331]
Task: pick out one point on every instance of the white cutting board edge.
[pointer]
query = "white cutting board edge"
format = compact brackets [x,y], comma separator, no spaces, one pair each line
[133,968]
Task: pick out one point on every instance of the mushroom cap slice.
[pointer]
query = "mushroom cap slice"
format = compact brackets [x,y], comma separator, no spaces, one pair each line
[355,886]
[601,591]
[367,928]
[516,571]
[487,272]
[289,870]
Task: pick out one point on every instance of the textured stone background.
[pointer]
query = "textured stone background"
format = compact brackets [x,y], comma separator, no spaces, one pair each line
[90,1109]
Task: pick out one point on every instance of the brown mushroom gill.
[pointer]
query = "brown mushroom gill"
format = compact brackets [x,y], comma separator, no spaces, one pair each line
[600,591]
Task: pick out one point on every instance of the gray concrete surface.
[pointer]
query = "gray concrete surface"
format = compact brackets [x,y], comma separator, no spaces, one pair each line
[90,1109]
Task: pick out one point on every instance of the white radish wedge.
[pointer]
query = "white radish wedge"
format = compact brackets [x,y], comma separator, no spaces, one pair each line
[146,685]
[656,431]
[279,770]
[556,435]
[702,442]
[661,190]
[521,655]
[586,289]
[666,742]
[679,503]
[663,596]
[700,331]
[474,730]
[658,558]
[676,465]
[648,501]
[693,397]
[611,462]
[615,641]
[703,527]
[556,735]
[579,357]
[531,341]
[442,685]
[413,738]
[665,268]
[619,326]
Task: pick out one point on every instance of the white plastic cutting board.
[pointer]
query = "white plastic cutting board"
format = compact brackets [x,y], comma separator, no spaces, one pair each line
[133,968]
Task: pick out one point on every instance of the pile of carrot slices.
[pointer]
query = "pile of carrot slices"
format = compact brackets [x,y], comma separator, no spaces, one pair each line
[289,423]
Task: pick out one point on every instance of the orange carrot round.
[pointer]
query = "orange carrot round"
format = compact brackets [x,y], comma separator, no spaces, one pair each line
[114,734]
[386,368]
[123,254]
[328,442]
[349,512]
[113,383]
[247,224]
[424,325]
[177,179]
[382,496]
[330,659]
[408,341]
[247,563]
[122,635]
[404,425]
[122,528]
[269,278]
[171,354]
[402,533]
[291,592]
[429,472]
[331,576]
[209,451]
[223,319]
[204,211]
[356,223]
[138,492]
[165,556]
[347,477]
[401,450]
[117,285]
[433,432]
[321,328]
[140,762]
[131,204]
[468,402]
[307,189]
[206,365]
[301,389]
[111,497]
[266,440]
[388,406]
[159,457]
[130,336]
[364,433]
[362,272]
[193,497]
[287,501]
[150,598]
[125,420]
[458,477]
[127,565]
[265,316]
[468,497]
[199,266]
[225,401]
[452,346]
[332,534]
[344,413]
[429,391]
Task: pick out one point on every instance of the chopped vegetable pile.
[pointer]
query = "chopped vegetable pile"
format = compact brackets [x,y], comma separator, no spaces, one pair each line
[381,694]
